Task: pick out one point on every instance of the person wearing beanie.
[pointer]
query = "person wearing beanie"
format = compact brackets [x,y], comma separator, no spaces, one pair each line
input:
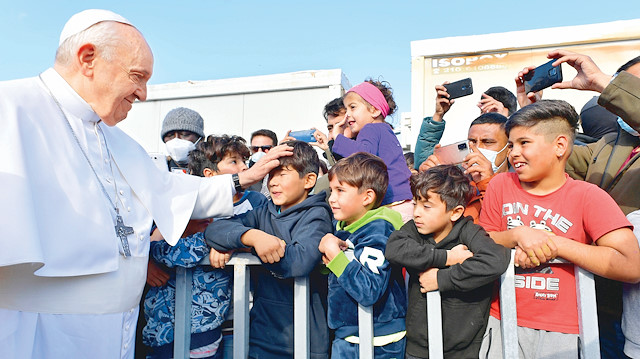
[182,128]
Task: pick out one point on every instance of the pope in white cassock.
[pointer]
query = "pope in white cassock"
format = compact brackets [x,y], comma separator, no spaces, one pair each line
[79,196]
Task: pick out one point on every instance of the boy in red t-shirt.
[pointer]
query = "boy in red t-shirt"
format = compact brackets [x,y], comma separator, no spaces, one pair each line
[543,213]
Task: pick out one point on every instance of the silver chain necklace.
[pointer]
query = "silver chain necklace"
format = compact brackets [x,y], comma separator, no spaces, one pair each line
[122,230]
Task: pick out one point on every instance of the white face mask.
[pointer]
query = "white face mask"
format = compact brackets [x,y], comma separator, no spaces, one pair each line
[179,149]
[257,156]
[491,156]
[627,128]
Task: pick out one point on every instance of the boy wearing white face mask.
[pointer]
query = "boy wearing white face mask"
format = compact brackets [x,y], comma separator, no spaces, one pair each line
[182,128]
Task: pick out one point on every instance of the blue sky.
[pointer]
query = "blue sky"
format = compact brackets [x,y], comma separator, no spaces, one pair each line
[207,40]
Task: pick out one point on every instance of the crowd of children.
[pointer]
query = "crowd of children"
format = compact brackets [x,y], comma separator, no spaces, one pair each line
[379,226]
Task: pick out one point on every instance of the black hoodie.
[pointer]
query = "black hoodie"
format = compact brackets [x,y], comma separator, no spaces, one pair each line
[465,288]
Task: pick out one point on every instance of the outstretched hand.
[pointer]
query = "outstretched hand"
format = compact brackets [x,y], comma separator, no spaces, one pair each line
[525,99]
[589,76]
[443,104]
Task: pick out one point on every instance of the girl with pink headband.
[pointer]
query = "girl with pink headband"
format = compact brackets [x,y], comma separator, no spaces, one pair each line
[368,104]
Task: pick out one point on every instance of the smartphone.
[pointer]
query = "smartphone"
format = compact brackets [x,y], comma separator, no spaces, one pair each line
[542,77]
[459,88]
[303,135]
[452,154]
[160,160]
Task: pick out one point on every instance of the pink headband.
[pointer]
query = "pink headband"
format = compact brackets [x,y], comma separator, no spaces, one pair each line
[372,95]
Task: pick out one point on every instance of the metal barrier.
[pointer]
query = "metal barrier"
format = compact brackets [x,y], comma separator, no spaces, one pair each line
[587,311]
[587,314]
[240,261]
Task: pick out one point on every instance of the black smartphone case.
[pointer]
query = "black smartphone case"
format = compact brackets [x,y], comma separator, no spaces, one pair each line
[459,88]
[542,77]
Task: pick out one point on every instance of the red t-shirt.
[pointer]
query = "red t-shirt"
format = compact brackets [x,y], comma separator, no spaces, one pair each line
[546,295]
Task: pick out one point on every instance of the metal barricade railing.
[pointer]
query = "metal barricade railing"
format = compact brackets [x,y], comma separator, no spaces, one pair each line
[587,314]
[587,311]
[241,276]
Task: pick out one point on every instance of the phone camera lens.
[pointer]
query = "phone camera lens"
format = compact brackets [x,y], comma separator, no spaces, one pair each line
[553,71]
[462,146]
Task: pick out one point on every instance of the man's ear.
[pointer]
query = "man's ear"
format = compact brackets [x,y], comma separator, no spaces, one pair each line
[369,198]
[310,180]
[86,58]
[456,213]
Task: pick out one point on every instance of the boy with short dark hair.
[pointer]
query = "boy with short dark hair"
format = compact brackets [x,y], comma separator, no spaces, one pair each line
[543,213]
[285,235]
[355,256]
[444,251]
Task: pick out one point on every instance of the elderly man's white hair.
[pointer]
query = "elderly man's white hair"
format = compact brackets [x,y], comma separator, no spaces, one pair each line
[94,26]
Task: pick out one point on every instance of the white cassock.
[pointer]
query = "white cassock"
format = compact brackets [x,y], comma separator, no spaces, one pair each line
[66,290]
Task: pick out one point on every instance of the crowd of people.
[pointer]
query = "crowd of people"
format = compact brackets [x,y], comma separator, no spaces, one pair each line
[367,224]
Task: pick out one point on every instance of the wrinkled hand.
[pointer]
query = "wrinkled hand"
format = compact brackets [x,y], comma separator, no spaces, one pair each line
[589,76]
[431,161]
[195,226]
[428,280]
[537,244]
[219,259]
[458,254]
[330,246]
[489,104]
[321,140]
[477,165]
[443,104]
[261,168]
[525,99]
[156,277]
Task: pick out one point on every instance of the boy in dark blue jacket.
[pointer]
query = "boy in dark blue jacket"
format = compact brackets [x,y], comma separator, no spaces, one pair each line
[355,256]
[285,235]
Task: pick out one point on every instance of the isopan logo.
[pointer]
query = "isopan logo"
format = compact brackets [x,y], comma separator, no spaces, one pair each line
[469,63]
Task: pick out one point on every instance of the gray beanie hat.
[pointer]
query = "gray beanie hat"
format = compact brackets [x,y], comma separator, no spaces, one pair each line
[182,119]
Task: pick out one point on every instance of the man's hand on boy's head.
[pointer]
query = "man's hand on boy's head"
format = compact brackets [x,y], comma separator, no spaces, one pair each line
[589,76]
[458,254]
[428,280]
[477,165]
[330,246]
[262,168]
[219,259]
[537,244]
[443,104]
[525,99]
[269,248]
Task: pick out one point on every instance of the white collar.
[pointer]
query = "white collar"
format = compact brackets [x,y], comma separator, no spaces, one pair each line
[68,97]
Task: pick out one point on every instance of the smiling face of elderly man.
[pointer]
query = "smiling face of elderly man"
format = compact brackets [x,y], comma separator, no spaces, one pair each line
[108,66]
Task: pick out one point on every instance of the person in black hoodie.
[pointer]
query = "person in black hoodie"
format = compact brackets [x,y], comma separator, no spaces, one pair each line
[444,251]
[285,235]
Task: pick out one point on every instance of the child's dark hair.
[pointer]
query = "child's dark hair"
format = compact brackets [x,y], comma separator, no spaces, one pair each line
[551,118]
[333,108]
[386,90]
[210,152]
[363,170]
[409,159]
[304,160]
[448,181]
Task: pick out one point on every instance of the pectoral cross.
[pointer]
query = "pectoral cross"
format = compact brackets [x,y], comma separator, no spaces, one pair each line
[123,231]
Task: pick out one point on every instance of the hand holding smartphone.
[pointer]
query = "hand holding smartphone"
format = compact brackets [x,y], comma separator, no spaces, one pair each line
[459,88]
[452,154]
[542,77]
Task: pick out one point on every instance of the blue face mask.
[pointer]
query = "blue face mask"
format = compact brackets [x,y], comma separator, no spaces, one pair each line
[627,128]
